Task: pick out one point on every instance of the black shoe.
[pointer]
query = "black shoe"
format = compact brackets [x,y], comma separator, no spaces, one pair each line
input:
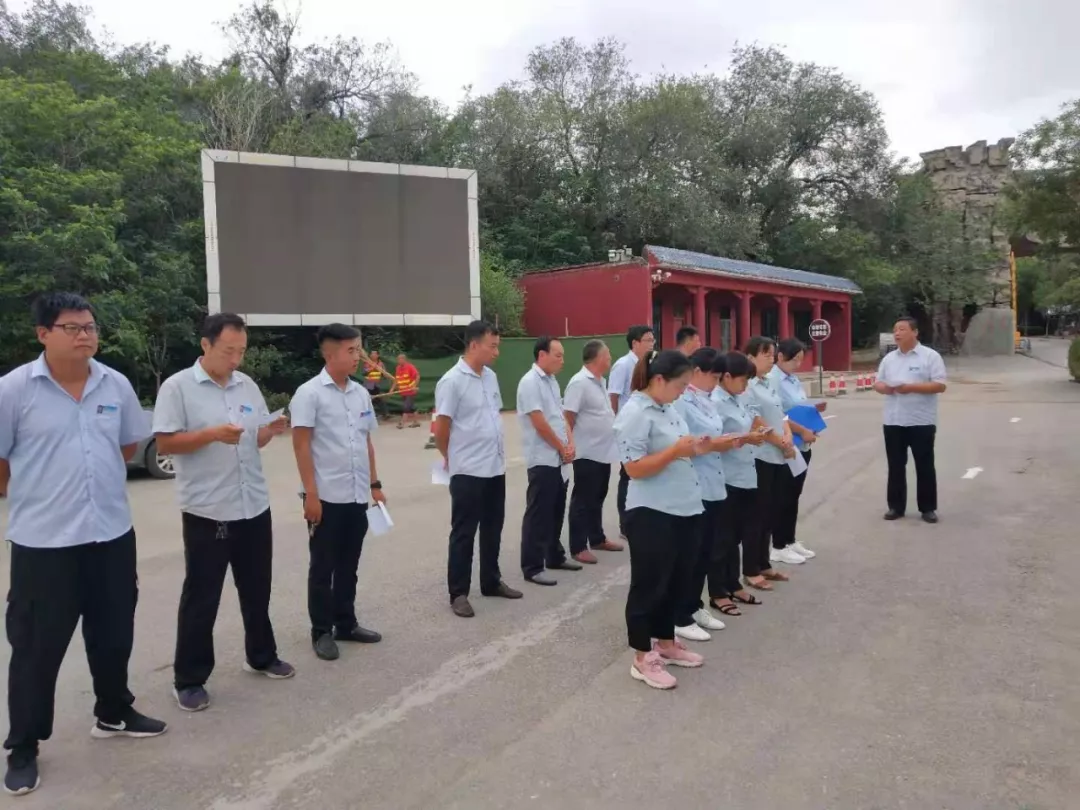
[325,647]
[892,514]
[929,517]
[277,671]
[461,607]
[566,565]
[358,634]
[505,591]
[542,579]
[192,698]
[130,724]
[22,774]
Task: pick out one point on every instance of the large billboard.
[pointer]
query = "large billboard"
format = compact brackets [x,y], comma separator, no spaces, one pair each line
[297,241]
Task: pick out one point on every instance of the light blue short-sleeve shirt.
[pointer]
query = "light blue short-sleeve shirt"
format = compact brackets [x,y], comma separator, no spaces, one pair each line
[921,365]
[620,376]
[643,428]
[736,417]
[539,392]
[473,404]
[68,477]
[789,387]
[703,420]
[221,482]
[765,401]
[341,421]
[587,398]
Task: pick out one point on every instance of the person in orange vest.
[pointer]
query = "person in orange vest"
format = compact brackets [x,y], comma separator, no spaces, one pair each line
[373,374]
[407,383]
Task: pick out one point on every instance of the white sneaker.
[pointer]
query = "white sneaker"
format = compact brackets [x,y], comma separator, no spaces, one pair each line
[707,621]
[692,633]
[787,555]
[799,548]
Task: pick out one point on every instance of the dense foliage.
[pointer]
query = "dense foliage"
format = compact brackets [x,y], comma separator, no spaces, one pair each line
[776,161]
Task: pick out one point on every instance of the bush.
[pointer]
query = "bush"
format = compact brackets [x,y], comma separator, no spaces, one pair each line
[1074,359]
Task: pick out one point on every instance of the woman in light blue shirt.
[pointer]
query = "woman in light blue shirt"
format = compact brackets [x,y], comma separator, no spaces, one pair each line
[739,516]
[785,548]
[771,462]
[694,620]
[663,507]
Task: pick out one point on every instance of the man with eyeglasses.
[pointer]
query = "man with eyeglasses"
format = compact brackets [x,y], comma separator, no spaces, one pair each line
[68,426]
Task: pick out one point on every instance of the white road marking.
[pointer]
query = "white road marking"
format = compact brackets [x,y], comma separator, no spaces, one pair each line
[831,416]
[267,785]
[972,472]
[1015,419]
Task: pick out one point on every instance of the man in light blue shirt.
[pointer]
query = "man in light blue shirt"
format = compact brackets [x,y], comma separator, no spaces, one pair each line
[332,422]
[68,425]
[910,378]
[640,340]
[213,419]
[469,436]
[549,451]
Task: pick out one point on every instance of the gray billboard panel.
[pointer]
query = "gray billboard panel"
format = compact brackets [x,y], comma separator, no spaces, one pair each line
[294,241]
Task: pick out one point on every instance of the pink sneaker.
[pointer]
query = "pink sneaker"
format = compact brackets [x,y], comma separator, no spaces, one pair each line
[679,656]
[651,671]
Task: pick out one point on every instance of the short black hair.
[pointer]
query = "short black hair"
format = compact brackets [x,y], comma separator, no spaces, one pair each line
[909,320]
[684,334]
[635,333]
[790,348]
[543,344]
[478,330]
[759,344]
[669,364]
[703,359]
[737,364]
[339,332]
[591,350]
[48,306]
[217,323]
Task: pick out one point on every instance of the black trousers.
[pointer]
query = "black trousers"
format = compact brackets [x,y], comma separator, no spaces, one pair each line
[51,588]
[756,554]
[620,499]
[210,548]
[788,491]
[475,503]
[335,545]
[708,526]
[541,527]
[920,439]
[663,549]
[738,527]
[591,481]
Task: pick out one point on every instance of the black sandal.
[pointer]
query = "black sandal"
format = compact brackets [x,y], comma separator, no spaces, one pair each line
[749,599]
[727,610]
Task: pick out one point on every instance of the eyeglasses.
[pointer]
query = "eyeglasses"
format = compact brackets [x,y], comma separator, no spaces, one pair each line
[73,329]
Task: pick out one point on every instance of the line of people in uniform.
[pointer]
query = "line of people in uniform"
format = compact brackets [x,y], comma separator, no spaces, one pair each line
[703,444]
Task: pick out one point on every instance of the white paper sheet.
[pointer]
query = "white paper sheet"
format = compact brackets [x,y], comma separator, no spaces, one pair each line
[440,476]
[566,473]
[266,420]
[379,520]
[797,464]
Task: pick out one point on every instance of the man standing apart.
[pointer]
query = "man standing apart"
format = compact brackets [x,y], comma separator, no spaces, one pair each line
[407,383]
[332,423]
[591,420]
[688,340]
[549,451]
[640,339]
[910,377]
[208,418]
[68,425]
[469,436]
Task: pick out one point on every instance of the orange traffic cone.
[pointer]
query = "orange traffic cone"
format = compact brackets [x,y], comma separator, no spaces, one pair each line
[832,386]
[842,389]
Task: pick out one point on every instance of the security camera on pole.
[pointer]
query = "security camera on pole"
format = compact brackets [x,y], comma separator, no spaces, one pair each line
[819,333]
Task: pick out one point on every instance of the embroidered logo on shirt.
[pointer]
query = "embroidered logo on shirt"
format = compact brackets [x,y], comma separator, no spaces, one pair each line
[246,409]
[108,408]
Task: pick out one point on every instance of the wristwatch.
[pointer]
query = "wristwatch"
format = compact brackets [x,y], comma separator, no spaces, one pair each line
[376,484]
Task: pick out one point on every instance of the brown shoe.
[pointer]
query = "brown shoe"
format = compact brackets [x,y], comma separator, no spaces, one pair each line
[609,545]
[505,591]
[462,608]
[586,557]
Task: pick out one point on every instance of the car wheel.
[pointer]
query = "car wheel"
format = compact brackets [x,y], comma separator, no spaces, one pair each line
[158,465]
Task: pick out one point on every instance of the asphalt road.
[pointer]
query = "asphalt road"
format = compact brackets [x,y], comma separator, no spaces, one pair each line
[908,666]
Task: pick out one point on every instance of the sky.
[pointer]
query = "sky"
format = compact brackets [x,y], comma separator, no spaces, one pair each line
[946,72]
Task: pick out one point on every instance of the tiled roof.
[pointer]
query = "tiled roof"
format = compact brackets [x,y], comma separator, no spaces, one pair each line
[734,267]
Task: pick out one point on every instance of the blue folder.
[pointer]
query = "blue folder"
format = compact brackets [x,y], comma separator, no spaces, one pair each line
[809,417]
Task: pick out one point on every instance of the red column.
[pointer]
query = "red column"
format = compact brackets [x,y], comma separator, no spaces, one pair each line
[785,318]
[845,314]
[744,319]
[816,315]
[699,310]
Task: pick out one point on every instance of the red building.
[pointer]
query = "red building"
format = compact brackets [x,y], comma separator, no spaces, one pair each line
[726,299]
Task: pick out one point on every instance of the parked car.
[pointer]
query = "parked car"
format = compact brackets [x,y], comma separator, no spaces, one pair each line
[148,458]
